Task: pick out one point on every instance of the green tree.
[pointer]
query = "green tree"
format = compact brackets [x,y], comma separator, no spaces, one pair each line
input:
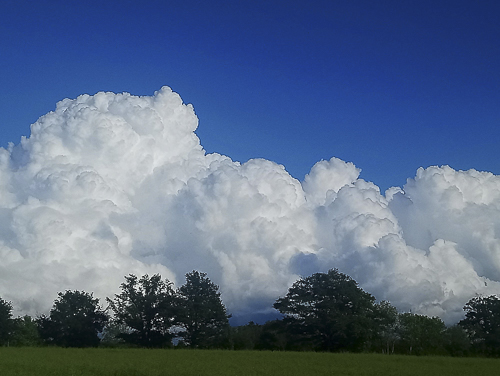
[245,337]
[421,335]
[146,307]
[329,312]
[482,324]
[5,321]
[75,320]
[202,314]
[275,336]
[456,341]
[25,332]
[385,328]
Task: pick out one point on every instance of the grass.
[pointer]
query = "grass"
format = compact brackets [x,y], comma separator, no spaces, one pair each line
[141,362]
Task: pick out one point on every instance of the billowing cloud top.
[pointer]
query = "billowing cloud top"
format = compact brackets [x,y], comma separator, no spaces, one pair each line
[112,184]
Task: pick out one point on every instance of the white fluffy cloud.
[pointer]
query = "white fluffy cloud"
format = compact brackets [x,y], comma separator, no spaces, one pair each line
[112,184]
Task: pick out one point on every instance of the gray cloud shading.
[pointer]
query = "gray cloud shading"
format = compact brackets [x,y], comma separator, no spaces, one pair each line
[112,184]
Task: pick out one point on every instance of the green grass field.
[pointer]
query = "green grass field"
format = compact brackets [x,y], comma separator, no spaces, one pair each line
[141,362]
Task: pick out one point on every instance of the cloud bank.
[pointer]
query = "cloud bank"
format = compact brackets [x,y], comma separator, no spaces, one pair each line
[112,184]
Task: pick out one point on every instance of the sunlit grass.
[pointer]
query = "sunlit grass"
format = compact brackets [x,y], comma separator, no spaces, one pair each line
[141,362]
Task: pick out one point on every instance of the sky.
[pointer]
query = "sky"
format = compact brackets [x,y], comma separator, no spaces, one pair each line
[390,86]
[256,141]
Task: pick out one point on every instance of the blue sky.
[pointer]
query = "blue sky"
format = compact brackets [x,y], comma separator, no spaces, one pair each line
[390,86]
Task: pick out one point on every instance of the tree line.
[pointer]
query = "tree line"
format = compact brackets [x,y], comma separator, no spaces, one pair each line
[330,312]
[321,312]
[148,312]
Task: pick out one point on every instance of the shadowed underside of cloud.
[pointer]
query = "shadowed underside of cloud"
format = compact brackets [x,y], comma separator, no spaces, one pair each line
[112,184]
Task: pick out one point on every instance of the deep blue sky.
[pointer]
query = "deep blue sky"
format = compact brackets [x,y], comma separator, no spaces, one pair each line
[388,85]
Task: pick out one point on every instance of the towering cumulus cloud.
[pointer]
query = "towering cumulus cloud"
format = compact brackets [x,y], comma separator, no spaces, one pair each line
[112,184]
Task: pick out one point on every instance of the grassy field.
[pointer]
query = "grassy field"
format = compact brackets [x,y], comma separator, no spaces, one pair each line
[140,362]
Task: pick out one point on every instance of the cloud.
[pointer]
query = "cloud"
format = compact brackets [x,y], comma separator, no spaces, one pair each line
[112,184]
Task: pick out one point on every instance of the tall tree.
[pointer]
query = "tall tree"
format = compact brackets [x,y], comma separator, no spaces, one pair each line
[5,321]
[329,312]
[482,324]
[202,314]
[75,320]
[146,307]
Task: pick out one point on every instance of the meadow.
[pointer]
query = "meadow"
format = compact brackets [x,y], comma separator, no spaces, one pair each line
[142,362]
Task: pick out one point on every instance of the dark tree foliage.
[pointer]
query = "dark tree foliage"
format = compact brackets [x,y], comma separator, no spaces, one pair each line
[456,341]
[75,320]
[5,321]
[146,307]
[482,324]
[202,314]
[421,335]
[245,337]
[275,336]
[25,332]
[329,312]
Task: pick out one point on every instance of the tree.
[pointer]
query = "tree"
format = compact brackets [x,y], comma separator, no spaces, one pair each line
[146,307]
[421,335]
[456,341]
[245,337]
[482,324]
[329,312]
[202,314]
[385,328]
[75,320]
[5,321]
[25,332]
[275,336]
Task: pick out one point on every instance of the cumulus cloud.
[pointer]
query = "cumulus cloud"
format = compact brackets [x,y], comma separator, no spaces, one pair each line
[112,184]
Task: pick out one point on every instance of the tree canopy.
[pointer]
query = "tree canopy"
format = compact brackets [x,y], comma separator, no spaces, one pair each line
[482,323]
[421,334]
[322,312]
[5,321]
[75,320]
[25,332]
[329,311]
[202,314]
[147,308]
